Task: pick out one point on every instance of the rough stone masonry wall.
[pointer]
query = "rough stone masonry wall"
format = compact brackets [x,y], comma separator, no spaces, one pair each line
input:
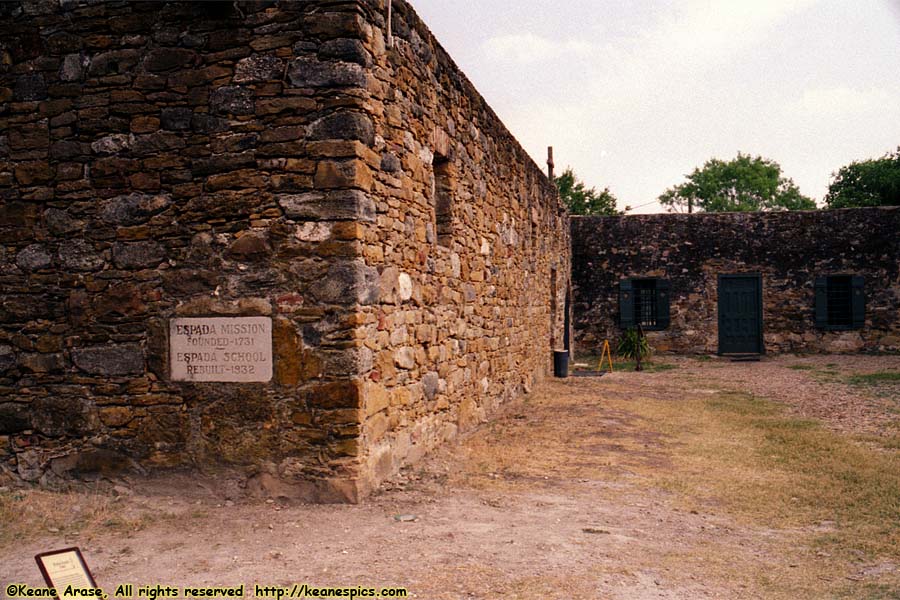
[789,250]
[181,159]
[465,321]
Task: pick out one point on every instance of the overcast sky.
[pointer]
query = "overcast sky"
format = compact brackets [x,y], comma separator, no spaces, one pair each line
[634,95]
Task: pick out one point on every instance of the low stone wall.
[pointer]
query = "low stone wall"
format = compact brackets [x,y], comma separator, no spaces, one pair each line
[789,249]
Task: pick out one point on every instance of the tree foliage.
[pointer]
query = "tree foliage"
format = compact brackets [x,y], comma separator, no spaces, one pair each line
[582,200]
[873,182]
[742,184]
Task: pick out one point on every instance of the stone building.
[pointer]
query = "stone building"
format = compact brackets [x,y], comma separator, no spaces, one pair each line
[741,283]
[260,235]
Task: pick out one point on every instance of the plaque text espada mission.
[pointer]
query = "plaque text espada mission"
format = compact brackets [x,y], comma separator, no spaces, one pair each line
[235,349]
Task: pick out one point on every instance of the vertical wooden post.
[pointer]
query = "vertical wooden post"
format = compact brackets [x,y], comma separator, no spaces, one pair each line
[550,164]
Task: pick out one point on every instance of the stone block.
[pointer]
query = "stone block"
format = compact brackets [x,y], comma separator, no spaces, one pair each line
[61,415]
[34,257]
[349,283]
[113,144]
[79,255]
[138,255]
[377,398]
[166,59]
[328,206]
[73,67]
[344,394]
[405,358]
[112,360]
[311,73]
[30,87]
[345,50]
[133,208]
[250,248]
[7,358]
[116,416]
[232,99]
[59,222]
[343,174]
[258,68]
[14,417]
[34,172]
[344,125]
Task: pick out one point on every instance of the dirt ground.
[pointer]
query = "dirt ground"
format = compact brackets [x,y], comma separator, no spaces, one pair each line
[588,488]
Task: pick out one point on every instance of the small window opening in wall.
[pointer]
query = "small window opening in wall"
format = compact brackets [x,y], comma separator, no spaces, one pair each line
[645,302]
[840,302]
[443,199]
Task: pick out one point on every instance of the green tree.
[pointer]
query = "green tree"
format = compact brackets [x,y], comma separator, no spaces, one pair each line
[873,182]
[582,200]
[741,184]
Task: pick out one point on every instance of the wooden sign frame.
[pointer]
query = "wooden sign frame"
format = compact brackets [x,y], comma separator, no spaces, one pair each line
[48,575]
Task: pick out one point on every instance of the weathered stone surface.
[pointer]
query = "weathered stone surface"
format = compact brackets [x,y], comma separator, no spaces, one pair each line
[390,163]
[110,360]
[79,255]
[134,208]
[343,174]
[232,99]
[34,172]
[344,125]
[138,255]
[59,222]
[41,363]
[346,50]
[112,144]
[56,416]
[250,247]
[7,358]
[258,68]
[176,118]
[14,417]
[31,86]
[352,282]
[73,67]
[166,59]
[34,258]
[203,123]
[328,206]
[309,72]
[430,383]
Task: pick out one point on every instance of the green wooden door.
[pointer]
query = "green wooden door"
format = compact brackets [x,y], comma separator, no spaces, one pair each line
[740,314]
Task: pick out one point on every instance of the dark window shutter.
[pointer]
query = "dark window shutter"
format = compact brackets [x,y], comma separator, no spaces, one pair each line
[858,302]
[626,304]
[663,289]
[822,302]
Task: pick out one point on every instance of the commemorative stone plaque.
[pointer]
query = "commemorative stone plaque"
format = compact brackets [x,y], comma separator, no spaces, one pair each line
[221,349]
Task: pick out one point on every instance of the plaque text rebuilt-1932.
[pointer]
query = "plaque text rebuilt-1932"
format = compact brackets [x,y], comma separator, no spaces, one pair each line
[221,349]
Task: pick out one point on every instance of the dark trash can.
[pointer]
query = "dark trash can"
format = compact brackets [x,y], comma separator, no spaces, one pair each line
[561,363]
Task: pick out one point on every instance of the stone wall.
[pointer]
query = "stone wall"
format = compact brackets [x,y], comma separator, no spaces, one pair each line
[275,159]
[467,237]
[179,159]
[789,250]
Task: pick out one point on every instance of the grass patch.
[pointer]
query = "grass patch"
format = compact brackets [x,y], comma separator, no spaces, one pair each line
[801,367]
[874,378]
[747,454]
[28,513]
